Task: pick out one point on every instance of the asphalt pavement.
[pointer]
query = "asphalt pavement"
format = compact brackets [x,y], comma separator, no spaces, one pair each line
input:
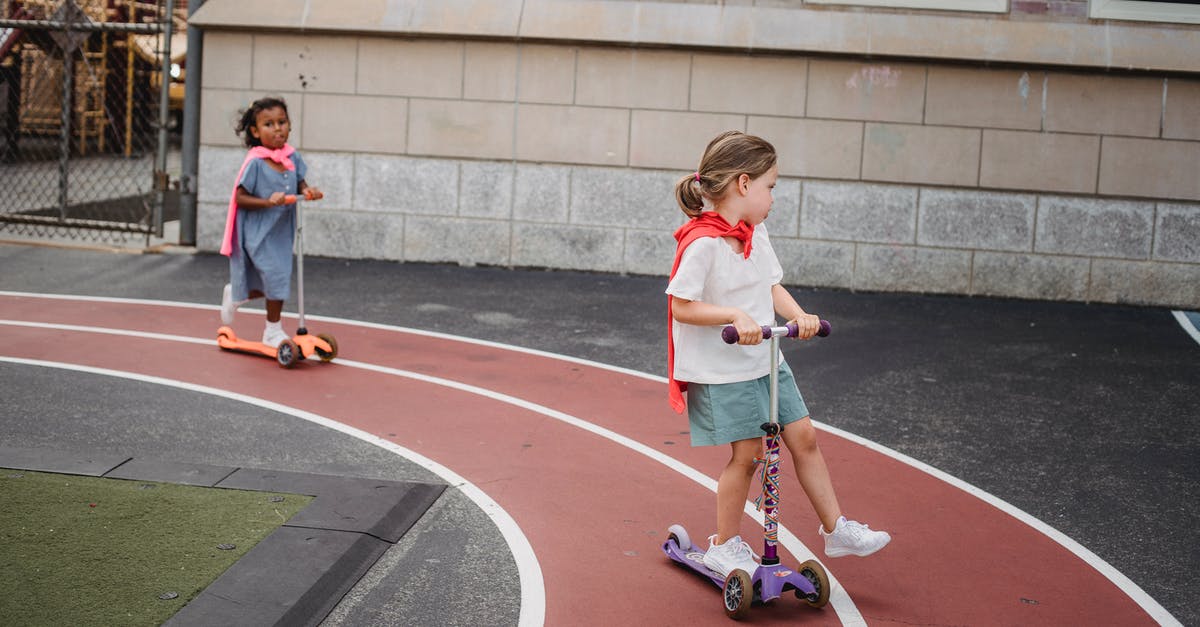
[1085,416]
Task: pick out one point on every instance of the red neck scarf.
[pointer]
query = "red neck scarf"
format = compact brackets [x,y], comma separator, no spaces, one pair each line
[707,224]
[281,156]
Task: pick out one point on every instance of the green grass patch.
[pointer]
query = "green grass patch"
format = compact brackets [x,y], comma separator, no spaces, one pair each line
[80,550]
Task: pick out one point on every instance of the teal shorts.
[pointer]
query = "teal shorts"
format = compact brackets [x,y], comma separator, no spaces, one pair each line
[720,413]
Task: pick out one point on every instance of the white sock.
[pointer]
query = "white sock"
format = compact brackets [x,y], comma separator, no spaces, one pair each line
[275,325]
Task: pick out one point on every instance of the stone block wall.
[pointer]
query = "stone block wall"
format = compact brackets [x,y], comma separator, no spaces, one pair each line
[927,176]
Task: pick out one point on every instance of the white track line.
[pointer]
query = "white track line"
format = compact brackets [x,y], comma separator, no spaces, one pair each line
[839,599]
[1187,325]
[353,323]
[1135,592]
[533,598]
[842,604]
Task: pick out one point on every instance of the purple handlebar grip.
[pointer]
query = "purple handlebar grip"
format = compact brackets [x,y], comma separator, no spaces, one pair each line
[730,334]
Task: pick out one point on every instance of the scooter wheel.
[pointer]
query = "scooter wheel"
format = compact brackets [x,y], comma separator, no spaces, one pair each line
[739,594]
[287,354]
[332,346]
[814,572]
[680,535]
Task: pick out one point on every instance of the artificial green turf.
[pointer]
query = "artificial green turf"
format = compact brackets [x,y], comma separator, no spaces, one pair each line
[80,550]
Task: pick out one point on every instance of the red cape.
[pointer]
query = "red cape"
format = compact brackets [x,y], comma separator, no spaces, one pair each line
[707,224]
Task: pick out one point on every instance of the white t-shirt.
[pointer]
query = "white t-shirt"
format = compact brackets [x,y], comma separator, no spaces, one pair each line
[710,271]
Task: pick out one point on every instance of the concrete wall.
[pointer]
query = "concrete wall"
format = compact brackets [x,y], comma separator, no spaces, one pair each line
[489,142]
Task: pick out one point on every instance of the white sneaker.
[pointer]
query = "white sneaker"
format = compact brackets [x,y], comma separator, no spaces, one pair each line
[853,538]
[724,558]
[273,336]
[228,307]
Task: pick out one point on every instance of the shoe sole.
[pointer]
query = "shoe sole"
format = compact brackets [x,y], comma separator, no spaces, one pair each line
[714,569]
[845,552]
[749,572]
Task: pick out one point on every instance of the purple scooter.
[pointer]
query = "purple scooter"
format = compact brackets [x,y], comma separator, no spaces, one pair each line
[771,579]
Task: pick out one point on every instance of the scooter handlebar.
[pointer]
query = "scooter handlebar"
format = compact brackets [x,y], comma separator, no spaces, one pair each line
[292,199]
[730,334]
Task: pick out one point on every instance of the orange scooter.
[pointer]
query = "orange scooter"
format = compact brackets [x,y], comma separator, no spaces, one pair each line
[301,346]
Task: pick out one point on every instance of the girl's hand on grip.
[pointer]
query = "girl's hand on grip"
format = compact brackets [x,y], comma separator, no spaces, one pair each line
[807,324]
[749,331]
[312,193]
[278,198]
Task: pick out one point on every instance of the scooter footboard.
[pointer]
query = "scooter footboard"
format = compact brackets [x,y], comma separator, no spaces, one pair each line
[773,581]
[692,558]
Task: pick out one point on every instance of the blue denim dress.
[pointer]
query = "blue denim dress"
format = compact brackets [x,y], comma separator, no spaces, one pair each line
[262,251]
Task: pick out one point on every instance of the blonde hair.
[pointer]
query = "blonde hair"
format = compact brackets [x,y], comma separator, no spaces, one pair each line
[728,156]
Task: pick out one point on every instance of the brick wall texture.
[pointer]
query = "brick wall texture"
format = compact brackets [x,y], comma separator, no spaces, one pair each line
[927,177]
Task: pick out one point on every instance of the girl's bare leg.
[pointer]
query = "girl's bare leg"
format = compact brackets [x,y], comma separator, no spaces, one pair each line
[274,310]
[733,487]
[801,439]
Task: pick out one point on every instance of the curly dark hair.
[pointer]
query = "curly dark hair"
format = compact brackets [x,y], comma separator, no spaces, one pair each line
[250,117]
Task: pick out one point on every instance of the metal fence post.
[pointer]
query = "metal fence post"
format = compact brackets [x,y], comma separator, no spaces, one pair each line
[164,115]
[190,157]
[64,154]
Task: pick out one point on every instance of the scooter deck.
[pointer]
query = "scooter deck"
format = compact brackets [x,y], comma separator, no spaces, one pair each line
[317,347]
[693,558]
[229,341]
[770,581]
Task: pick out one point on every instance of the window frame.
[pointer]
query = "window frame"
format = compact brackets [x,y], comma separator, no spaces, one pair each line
[1144,11]
[966,6]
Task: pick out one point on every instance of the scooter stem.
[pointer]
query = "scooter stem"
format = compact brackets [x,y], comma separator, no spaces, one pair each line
[300,330]
[769,548]
[774,379]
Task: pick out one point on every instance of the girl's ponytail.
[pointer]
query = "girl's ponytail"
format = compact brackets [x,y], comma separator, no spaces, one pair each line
[689,194]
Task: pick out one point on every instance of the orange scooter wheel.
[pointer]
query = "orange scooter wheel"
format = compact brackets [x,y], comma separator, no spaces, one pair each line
[287,354]
[327,356]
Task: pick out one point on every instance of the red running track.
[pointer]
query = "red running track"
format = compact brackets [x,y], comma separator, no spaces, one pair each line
[954,558]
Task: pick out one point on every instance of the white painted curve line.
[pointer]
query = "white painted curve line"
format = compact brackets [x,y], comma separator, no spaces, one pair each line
[345,321]
[533,597]
[839,599]
[1187,325]
[1135,592]
[105,331]
[842,604]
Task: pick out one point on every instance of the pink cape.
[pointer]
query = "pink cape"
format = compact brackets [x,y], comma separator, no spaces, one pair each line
[280,156]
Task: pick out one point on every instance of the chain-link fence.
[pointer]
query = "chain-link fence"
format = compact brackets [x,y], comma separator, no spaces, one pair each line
[81,154]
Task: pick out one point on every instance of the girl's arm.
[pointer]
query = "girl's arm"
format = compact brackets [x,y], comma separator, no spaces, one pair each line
[787,307]
[246,200]
[705,314]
